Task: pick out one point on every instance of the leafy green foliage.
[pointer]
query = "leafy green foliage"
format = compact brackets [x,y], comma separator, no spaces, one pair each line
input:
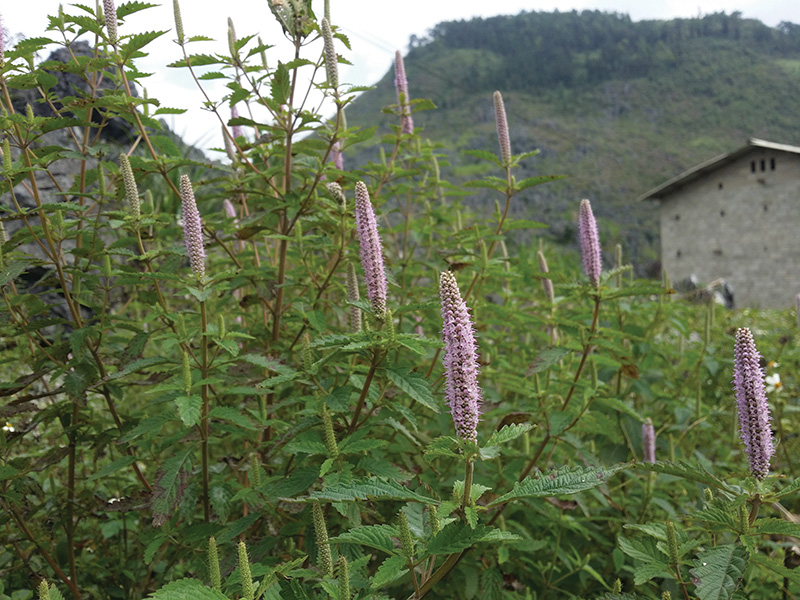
[718,571]
[145,410]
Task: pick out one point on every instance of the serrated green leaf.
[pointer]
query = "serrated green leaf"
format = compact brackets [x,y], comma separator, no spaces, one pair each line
[189,409]
[415,385]
[139,40]
[793,487]
[508,433]
[390,570]
[187,589]
[373,536]
[151,548]
[562,481]
[167,485]
[714,514]
[113,467]
[766,564]
[234,415]
[532,181]
[645,572]
[546,359]
[773,526]
[686,471]
[441,446]
[370,488]
[55,594]
[644,549]
[459,536]
[718,571]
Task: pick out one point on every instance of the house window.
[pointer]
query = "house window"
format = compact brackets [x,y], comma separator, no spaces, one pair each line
[766,207]
[763,165]
[678,254]
[677,217]
[771,164]
[719,185]
[752,166]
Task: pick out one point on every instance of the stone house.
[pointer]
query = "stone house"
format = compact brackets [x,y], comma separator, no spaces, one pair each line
[736,217]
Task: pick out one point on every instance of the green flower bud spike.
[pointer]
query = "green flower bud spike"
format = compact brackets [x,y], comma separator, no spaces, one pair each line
[43,590]
[666,595]
[324,558]
[406,541]
[178,21]
[213,565]
[232,39]
[245,576]
[330,436]
[744,519]
[131,191]
[186,371]
[353,296]
[672,544]
[617,587]
[344,578]
[433,515]
[255,470]
[307,353]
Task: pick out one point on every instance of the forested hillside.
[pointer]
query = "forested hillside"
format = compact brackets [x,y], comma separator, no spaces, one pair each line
[618,106]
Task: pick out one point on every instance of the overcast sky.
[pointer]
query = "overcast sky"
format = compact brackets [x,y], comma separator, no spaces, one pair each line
[376,28]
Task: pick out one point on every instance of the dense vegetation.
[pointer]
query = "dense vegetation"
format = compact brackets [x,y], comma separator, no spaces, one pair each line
[602,96]
[233,381]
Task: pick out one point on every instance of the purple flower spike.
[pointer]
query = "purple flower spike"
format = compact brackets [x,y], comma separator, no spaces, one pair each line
[590,243]
[192,229]
[401,85]
[754,420]
[371,251]
[502,128]
[648,442]
[236,129]
[337,156]
[460,360]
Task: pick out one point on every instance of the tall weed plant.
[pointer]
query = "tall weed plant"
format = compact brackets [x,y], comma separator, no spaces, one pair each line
[283,376]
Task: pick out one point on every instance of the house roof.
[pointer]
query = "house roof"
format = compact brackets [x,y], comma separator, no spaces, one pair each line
[698,171]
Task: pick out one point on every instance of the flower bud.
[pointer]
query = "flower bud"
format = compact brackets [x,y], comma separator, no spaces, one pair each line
[110,14]
[176,8]
[324,557]
[213,565]
[131,191]
[344,570]
[331,61]
[502,129]
[245,576]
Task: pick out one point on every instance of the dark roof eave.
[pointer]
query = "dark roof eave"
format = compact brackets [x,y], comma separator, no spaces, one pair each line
[693,174]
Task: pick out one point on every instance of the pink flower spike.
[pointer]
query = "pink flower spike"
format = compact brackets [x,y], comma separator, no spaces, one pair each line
[110,14]
[236,130]
[648,442]
[590,243]
[502,128]
[751,399]
[401,85]
[337,156]
[192,229]
[460,359]
[371,252]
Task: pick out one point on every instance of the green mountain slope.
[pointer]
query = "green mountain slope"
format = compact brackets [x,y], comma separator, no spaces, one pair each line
[617,106]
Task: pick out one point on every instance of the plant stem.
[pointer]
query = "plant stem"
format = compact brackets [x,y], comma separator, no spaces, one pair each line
[204,418]
[376,360]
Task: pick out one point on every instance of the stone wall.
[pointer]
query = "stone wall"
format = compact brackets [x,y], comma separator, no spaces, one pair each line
[739,223]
